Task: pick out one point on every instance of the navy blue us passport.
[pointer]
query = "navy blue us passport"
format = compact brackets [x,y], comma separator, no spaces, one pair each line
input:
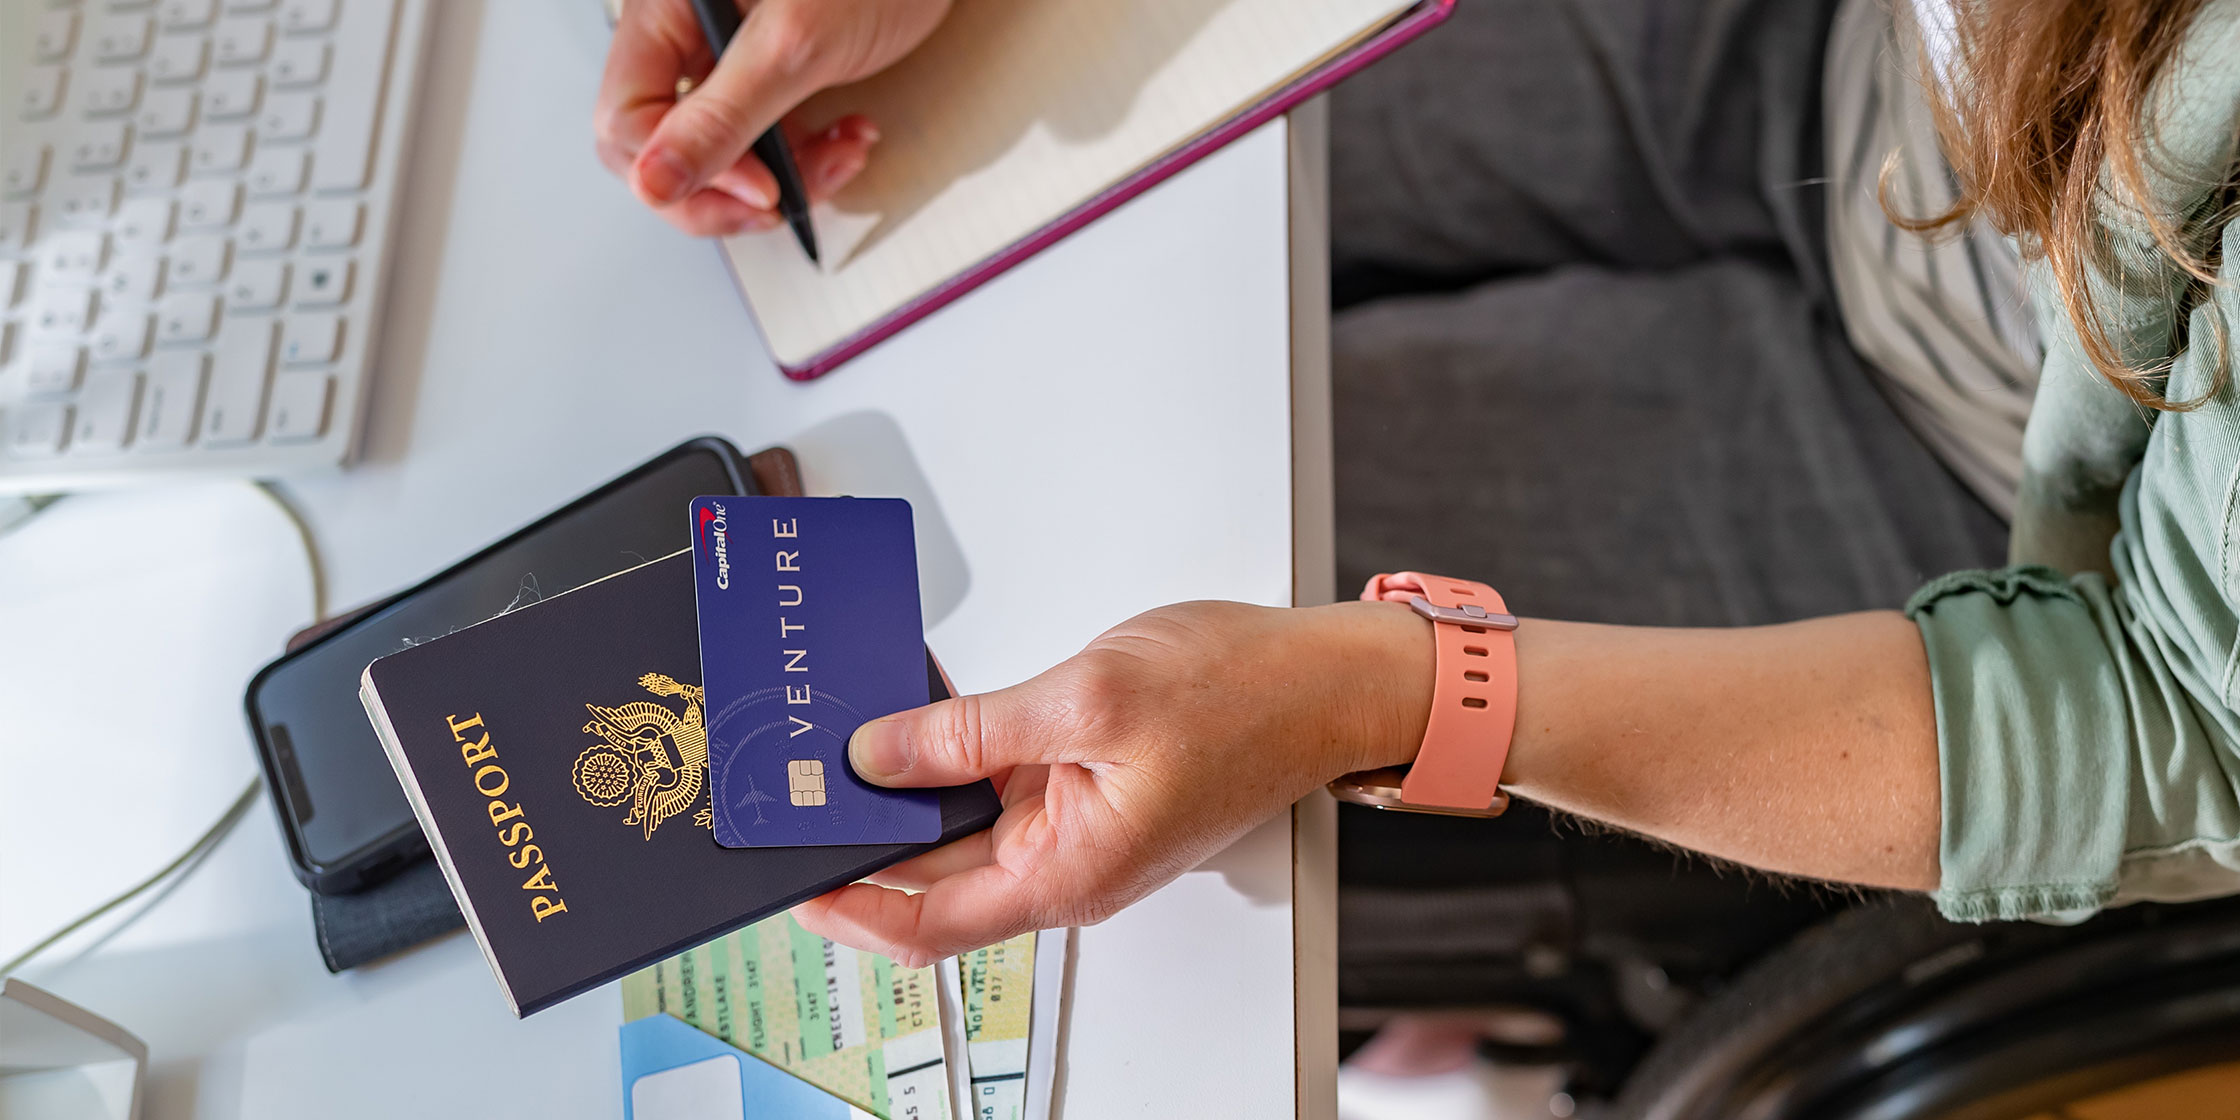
[557,759]
[809,627]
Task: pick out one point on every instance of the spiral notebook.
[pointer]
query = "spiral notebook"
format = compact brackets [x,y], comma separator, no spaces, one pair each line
[1021,121]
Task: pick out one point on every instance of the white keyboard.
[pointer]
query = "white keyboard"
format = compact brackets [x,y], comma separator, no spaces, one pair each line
[195,204]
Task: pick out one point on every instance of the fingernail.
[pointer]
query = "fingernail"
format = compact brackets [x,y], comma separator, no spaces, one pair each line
[664,176]
[880,749]
[745,190]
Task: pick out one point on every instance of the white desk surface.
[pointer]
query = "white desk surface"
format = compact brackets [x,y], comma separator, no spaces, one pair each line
[1103,430]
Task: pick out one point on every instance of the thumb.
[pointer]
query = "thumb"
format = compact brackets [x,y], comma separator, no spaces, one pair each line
[962,740]
[768,69]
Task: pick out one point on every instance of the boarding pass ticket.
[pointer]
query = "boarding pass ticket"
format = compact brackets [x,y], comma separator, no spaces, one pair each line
[854,1024]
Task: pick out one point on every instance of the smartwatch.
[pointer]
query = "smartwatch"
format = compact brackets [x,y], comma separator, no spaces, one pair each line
[1457,771]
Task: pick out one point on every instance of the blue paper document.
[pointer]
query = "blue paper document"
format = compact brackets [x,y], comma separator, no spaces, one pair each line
[809,627]
[672,1072]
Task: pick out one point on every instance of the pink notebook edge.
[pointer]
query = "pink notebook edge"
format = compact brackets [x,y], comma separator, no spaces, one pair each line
[1399,32]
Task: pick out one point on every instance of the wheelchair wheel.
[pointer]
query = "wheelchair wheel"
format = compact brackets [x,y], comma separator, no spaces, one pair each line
[1889,1012]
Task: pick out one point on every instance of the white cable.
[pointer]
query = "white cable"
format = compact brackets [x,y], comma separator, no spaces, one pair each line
[247,797]
[203,843]
[16,509]
[310,547]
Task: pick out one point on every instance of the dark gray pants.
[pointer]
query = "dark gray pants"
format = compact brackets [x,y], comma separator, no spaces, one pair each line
[1630,400]
[1587,354]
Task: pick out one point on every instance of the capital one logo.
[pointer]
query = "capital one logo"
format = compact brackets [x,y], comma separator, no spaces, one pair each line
[716,532]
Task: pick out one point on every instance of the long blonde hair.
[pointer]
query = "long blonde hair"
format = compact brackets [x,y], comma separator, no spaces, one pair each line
[2049,107]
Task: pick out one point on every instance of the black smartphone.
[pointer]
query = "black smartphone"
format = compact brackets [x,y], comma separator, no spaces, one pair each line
[341,808]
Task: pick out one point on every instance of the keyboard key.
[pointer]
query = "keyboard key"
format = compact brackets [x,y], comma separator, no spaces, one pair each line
[168,112]
[131,5]
[57,31]
[300,17]
[42,92]
[289,116]
[120,336]
[342,157]
[105,412]
[299,406]
[267,227]
[249,5]
[155,167]
[177,59]
[241,368]
[174,400]
[122,38]
[73,258]
[110,92]
[85,200]
[25,170]
[231,96]
[242,40]
[186,317]
[36,430]
[130,280]
[278,171]
[257,286]
[51,370]
[144,221]
[197,262]
[299,62]
[325,283]
[331,225]
[63,311]
[218,150]
[208,204]
[180,15]
[16,220]
[100,144]
[310,340]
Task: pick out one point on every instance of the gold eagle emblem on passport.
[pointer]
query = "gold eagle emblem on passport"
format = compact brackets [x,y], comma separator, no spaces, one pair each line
[649,755]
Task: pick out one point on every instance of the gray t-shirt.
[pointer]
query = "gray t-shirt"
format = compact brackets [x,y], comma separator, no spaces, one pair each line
[1943,318]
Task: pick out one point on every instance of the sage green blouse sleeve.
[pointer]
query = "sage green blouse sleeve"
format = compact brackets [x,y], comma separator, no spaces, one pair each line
[2086,724]
[2086,697]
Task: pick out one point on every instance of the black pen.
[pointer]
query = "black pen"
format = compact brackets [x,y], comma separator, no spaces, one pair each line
[719,21]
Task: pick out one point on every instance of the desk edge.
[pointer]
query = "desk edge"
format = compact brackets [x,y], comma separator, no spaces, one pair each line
[1314,821]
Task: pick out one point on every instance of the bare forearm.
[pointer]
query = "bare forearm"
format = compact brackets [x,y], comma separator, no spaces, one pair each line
[1809,749]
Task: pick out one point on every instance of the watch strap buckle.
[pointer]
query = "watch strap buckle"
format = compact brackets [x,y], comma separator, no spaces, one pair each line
[1465,615]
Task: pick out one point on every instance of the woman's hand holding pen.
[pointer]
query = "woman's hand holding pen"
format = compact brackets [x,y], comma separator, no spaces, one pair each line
[687,157]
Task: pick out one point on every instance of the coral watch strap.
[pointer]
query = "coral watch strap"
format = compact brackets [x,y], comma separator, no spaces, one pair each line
[1473,702]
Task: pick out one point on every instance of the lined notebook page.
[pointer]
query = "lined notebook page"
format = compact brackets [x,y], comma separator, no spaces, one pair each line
[1014,113]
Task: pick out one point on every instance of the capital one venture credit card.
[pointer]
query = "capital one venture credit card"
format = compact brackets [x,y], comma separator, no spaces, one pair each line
[809,627]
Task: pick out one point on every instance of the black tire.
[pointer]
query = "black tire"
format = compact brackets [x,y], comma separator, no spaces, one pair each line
[1889,1011]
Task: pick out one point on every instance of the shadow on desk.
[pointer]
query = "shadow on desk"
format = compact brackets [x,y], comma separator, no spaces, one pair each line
[433,139]
[865,454]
